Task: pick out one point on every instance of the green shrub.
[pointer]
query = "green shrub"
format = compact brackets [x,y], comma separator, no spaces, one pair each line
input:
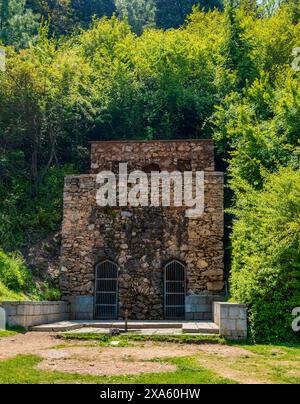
[266,255]
[13,272]
[49,293]
[6,294]
[17,282]
[26,218]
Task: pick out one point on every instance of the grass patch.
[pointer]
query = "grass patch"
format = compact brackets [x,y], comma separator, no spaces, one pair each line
[7,333]
[181,338]
[11,331]
[22,370]
[278,364]
[283,351]
[9,295]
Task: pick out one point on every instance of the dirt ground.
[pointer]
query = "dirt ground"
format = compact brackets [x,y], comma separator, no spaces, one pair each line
[29,343]
[86,357]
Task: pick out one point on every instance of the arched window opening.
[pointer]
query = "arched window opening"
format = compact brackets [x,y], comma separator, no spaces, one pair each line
[174,290]
[106,290]
[151,167]
[184,165]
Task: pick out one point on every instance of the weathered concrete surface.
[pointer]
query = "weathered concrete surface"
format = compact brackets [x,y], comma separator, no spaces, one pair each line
[200,307]
[231,319]
[26,314]
[2,319]
[145,327]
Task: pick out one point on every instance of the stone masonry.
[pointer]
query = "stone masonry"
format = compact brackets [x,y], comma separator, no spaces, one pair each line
[142,240]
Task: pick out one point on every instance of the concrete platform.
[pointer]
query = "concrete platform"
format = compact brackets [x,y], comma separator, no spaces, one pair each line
[168,327]
[148,331]
[200,327]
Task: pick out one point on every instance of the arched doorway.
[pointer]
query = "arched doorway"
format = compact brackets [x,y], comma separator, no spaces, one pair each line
[174,290]
[106,291]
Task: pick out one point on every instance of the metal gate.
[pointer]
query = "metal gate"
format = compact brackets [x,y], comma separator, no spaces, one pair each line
[174,290]
[106,291]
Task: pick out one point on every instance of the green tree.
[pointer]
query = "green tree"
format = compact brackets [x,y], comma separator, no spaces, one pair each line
[269,7]
[139,13]
[85,10]
[17,24]
[237,50]
[173,13]
[58,13]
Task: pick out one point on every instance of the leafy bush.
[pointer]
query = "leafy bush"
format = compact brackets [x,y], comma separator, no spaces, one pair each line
[13,272]
[26,218]
[48,293]
[17,282]
[266,255]
[6,294]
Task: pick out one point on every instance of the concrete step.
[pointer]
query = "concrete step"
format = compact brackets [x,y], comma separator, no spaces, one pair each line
[200,327]
[195,327]
[132,325]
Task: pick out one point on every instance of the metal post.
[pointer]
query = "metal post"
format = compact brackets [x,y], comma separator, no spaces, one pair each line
[126,320]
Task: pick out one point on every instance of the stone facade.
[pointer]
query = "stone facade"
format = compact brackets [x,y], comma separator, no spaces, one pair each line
[196,155]
[142,240]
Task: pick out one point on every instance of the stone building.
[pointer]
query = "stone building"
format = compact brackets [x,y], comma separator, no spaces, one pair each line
[153,261]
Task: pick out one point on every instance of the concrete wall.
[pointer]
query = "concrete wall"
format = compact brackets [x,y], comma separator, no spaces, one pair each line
[2,319]
[200,307]
[26,314]
[231,319]
[81,307]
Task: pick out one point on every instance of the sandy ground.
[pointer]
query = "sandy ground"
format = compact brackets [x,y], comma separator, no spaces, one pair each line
[86,357]
[29,343]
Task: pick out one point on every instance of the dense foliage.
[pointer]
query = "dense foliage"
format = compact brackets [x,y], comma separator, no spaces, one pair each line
[225,74]
[17,24]
[266,254]
[66,15]
[18,283]
[140,14]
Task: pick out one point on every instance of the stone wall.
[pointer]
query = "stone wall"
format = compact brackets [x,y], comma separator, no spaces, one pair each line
[231,319]
[182,155]
[141,240]
[27,314]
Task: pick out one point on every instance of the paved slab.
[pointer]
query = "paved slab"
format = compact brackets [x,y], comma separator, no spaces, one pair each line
[163,327]
[149,331]
[76,324]
[166,331]
[91,330]
[200,327]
